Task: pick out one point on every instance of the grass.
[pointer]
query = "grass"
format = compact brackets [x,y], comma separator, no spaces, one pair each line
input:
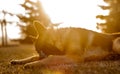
[14,52]
[22,51]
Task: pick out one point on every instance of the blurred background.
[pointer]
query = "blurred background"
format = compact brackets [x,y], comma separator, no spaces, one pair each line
[17,15]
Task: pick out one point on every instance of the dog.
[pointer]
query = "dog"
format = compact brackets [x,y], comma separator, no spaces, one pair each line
[70,45]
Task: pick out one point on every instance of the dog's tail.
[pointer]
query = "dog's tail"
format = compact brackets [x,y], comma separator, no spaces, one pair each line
[116,42]
[115,35]
[116,45]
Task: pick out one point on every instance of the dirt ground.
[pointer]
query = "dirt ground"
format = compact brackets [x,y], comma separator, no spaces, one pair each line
[21,51]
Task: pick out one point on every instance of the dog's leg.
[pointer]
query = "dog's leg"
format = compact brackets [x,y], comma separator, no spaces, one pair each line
[26,60]
[50,61]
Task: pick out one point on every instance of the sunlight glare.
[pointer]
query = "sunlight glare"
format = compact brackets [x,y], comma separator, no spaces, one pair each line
[13,31]
[73,13]
[11,6]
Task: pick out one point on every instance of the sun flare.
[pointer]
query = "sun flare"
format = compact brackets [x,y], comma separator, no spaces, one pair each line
[71,13]
[13,32]
[74,13]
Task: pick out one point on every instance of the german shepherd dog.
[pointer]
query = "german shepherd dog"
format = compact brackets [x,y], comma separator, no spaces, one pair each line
[68,45]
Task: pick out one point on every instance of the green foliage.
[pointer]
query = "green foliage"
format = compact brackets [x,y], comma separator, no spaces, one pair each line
[113,19]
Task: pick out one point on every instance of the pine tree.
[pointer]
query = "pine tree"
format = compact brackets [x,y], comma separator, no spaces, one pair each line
[3,23]
[34,11]
[113,19]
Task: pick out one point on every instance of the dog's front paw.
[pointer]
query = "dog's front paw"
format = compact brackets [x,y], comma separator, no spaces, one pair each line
[27,66]
[34,65]
[16,62]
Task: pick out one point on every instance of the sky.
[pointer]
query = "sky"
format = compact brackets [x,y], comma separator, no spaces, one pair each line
[71,13]
[12,7]
[74,13]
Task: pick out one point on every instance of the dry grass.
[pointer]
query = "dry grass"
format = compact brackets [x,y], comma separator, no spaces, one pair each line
[18,52]
[14,52]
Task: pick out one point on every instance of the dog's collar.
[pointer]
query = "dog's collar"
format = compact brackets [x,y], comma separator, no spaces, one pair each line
[33,37]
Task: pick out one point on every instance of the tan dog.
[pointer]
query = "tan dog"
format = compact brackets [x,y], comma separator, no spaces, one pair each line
[70,45]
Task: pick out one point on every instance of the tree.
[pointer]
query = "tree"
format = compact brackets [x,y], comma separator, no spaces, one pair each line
[33,11]
[3,30]
[3,23]
[113,19]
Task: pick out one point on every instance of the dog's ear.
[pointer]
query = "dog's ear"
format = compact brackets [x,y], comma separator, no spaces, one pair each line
[38,26]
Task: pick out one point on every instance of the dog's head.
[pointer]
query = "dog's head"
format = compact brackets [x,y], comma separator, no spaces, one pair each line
[36,29]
